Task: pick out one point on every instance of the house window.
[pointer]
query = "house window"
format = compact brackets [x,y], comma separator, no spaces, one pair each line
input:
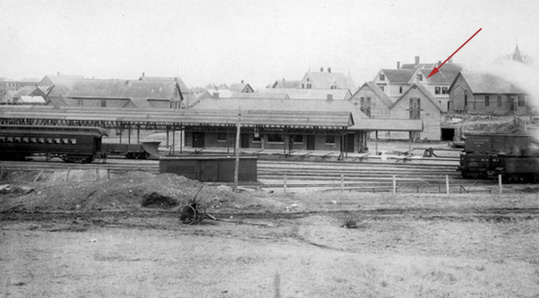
[521,101]
[419,77]
[382,87]
[333,87]
[415,108]
[330,140]
[444,90]
[400,89]
[499,101]
[309,86]
[81,103]
[297,139]
[436,90]
[487,100]
[221,137]
[303,86]
[275,138]
[103,103]
[382,77]
[465,99]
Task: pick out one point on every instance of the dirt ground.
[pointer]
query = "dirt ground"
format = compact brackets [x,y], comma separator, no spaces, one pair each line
[121,237]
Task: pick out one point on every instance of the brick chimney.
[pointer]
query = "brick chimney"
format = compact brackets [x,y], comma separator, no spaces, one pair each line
[329,69]
[321,69]
[416,60]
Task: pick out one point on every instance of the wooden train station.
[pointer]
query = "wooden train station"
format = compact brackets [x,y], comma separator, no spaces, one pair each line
[260,129]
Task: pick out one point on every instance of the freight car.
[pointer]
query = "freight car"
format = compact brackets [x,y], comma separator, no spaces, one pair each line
[145,150]
[70,143]
[514,156]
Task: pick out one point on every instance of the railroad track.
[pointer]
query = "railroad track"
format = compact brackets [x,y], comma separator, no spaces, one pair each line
[299,173]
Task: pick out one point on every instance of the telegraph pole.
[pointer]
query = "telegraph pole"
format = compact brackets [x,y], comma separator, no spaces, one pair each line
[237,163]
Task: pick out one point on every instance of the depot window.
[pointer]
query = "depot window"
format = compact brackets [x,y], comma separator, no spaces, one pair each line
[298,139]
[330,139]
[221,137]
[275,138]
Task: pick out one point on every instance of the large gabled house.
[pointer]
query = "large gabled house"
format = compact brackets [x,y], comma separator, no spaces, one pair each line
[438,84]
[241,87]
[393,82]
[485,93]
[284,84]
[57,87]
[326,80]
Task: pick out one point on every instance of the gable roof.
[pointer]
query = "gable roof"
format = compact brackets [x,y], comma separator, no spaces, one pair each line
[324,80]
[240,87]
[182,85]
[282,84]
[263,95]
[486,83]
[423,90]
[320,94]
[123,89]
[445,75]
[59,85]
[398,75]
[269,104]
[377,91]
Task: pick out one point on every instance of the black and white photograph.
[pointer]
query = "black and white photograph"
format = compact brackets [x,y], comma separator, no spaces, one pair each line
[269,148]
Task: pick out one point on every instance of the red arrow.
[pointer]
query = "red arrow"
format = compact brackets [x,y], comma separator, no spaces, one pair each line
[436,69]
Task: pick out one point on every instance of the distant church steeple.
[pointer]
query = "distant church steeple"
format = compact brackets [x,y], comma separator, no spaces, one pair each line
[517,56]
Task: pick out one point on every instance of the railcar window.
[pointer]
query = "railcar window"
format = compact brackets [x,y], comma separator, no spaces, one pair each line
[33,140]
[10,139]
[49,140]
[73,141]
[2,140]
[65,141]
[41,140]
[56,140]
[26,140]
[17,139]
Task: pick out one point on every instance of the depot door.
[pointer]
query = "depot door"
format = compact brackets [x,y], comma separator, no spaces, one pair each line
[198,139]
[244,140]
[310,142]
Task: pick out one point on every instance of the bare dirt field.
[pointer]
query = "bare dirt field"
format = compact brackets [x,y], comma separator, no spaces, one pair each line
[121,237]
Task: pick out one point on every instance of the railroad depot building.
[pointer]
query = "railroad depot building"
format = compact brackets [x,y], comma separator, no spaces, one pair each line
[288,125]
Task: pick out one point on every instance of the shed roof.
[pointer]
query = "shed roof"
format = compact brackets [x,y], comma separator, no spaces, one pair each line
[388,125]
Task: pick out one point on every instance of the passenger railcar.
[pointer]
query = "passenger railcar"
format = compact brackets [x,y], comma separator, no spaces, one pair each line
[70,143]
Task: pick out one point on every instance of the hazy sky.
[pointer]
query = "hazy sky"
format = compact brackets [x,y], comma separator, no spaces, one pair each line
[223,41]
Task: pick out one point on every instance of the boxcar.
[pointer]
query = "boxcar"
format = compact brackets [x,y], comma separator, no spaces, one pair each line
[70,143]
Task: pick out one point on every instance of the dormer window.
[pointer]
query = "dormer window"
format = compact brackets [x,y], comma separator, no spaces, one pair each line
[308,80]
[382,77]
[419,77]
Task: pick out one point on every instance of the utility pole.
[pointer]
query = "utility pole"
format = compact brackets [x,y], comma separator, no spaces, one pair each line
[237,163]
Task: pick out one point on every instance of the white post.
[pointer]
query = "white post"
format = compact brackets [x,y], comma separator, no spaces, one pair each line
[237,163]
[284,183]
[342,182]
[447,184]
[500,182]
[394,184]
